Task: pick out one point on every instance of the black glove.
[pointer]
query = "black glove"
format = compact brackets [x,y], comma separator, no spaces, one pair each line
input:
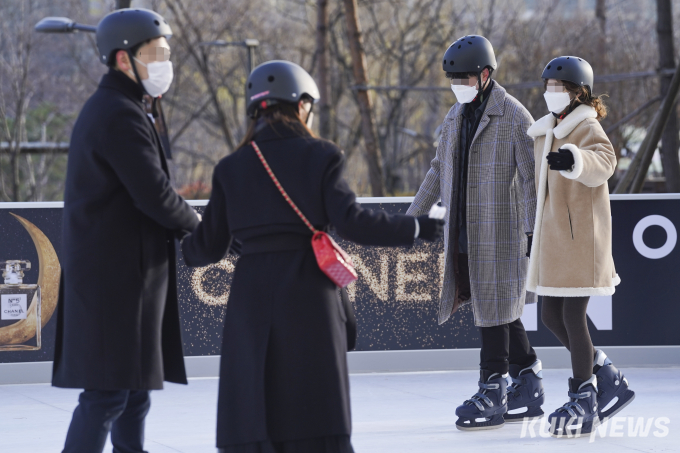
[530,239]
[563,159]
[430,229]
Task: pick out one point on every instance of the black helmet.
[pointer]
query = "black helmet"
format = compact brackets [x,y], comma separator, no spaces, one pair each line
[471,53]
[125,28]
[278,81]
[572,69]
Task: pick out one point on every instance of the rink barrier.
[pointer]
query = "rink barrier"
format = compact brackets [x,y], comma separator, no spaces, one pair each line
[637,329]
[424,360]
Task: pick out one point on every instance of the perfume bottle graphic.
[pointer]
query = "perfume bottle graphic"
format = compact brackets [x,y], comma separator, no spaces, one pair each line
[19,303]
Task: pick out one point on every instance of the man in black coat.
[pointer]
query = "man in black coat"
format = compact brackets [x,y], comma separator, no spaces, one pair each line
[118,330]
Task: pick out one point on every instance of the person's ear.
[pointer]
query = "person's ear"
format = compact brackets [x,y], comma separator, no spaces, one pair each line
[123,61]
[302,111]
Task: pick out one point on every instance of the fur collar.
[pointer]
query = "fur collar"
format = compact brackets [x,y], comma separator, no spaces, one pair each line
[568,124]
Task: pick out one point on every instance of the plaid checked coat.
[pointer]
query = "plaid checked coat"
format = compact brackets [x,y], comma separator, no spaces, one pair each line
[501,208]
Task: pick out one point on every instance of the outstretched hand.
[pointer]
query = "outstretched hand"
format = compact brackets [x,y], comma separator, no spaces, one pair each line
[430,229]
[563,159]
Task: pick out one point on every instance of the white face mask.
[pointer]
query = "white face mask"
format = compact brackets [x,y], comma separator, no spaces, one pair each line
[160,77]
[557,102]
[464,94]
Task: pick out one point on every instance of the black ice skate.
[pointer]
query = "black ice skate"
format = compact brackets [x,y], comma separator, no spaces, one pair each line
[486,408]
[579,415]
[525,394]
[613,392]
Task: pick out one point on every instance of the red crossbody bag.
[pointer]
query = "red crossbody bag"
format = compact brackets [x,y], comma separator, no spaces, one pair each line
[332,260]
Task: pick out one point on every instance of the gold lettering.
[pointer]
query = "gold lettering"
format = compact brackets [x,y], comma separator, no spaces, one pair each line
[379,286]
[403,277]
[351,291]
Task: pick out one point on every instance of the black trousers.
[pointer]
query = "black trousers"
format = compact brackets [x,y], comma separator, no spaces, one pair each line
[121,412]
[506,348]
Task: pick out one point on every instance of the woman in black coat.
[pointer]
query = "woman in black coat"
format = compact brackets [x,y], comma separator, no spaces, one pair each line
[283,380]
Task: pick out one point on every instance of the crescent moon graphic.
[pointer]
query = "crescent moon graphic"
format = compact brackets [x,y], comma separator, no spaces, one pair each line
[198,280]
[48,280]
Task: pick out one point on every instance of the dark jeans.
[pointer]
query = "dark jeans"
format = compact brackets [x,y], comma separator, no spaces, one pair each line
[121,412]
[506,348]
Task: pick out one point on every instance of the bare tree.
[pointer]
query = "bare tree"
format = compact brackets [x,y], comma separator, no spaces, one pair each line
[325,109]
[16,67]
[669,139]
[402,42]
[601,16]
[192,36]
[361,78]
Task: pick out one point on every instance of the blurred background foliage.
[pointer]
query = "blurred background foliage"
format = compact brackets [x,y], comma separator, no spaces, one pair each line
[45,79]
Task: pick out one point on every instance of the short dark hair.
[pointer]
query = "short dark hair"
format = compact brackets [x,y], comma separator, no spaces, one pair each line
[112,58]
[460,75]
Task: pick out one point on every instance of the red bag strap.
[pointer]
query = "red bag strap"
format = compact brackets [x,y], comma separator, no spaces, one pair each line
[280,187]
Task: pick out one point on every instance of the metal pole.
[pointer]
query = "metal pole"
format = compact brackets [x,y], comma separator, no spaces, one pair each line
[250,45]
[251,59]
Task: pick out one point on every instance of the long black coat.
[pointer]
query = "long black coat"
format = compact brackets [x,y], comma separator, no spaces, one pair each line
[284,374]
[118,318]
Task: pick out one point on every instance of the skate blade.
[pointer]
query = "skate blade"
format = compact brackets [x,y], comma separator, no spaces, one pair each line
[492,423]
[619,406]
[529,415]
[521,418]
[479,428]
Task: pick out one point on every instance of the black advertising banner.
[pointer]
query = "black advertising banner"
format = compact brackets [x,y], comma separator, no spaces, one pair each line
[396,297]
[25,235]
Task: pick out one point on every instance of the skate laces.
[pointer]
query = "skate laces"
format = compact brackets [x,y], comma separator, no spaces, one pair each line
[573,406]
[480,397]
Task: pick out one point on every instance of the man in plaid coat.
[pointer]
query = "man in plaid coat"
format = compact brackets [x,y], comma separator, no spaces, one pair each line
[483,174]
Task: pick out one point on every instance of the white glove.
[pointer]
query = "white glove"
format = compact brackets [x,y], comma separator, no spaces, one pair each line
[437,212]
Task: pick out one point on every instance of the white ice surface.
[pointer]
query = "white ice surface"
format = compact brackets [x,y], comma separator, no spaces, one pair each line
[392,413]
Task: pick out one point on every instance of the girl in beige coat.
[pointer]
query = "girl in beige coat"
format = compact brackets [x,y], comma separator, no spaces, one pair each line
[571,255]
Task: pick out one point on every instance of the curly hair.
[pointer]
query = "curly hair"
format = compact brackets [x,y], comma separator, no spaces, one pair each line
[582,95]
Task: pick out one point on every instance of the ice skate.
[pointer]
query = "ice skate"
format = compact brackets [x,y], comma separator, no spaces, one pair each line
[613,392]
[525,394]
[579,415]
[486,408]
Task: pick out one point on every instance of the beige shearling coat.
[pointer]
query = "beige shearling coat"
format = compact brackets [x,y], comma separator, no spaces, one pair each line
[571,254]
